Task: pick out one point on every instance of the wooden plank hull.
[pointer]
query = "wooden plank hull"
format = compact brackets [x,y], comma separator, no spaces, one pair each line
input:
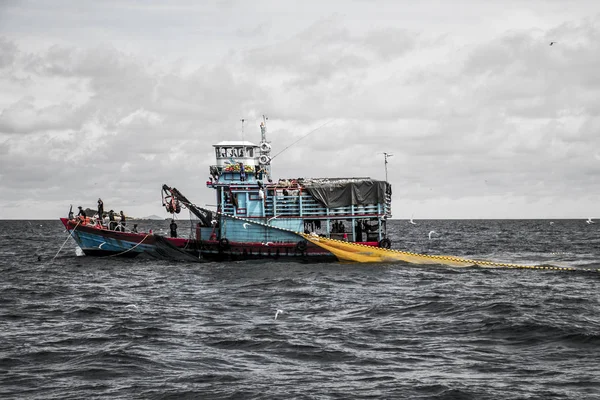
[102,242]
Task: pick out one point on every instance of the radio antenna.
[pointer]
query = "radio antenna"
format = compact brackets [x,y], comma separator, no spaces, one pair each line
[385,157]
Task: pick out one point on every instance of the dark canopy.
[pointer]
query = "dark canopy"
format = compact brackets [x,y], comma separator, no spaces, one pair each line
[341,193]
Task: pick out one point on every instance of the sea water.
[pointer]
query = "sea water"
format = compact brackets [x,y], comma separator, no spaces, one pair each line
[78,327]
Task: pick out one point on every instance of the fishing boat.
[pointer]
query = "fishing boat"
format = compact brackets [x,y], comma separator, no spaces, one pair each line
[96,239]
[258,216]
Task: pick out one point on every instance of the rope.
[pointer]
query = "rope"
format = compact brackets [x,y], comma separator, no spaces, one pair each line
[462,260]
[65,242]
[314,130]
[434,257]
[112,255]
[128,250]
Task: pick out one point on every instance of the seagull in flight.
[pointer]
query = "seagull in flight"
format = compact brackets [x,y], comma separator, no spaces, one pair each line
[411,220]
[551,43]
[246,225]
[431,233]
[589,221]
[277,313]
[133,306]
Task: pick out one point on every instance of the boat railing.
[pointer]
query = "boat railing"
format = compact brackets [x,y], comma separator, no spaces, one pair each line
[306,206]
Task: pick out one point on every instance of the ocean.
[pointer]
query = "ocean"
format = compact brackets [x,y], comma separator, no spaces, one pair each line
[76,327]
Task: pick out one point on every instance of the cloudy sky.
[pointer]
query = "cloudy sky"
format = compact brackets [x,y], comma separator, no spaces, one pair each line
[483,117]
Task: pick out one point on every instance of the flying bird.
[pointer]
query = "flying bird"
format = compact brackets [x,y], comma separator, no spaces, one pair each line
[411,220]
[246,225]
[277,313]
[589,221]
[551,43]
[133,306]
[431,233]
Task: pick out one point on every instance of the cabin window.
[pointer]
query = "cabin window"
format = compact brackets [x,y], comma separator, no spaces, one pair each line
[253,196]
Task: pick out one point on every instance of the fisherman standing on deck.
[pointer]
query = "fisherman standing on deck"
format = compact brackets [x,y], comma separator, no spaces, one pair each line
[81,213]
[100,209]
[111,220]
[122,221]
[173,227]
[242,172]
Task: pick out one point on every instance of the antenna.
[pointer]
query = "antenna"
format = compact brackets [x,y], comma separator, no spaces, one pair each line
[242,128]
[385,157]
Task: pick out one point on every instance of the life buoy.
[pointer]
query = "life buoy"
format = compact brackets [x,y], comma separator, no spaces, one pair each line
[264,159]
[385,243]
[301,246]
[265,147]
[224,243]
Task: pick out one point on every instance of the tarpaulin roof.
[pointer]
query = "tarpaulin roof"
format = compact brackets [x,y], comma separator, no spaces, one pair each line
[346,192]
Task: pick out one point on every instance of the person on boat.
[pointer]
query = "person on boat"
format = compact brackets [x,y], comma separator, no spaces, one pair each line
[173,228]
[81,213]
[123,223]
[242,172]
[111,220]
[134,230]
[100,208]
[359,231]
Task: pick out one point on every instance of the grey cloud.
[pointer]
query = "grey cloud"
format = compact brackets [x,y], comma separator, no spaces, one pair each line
[24,117]
[327,50]
[511,114]
[389,43]
[8,52]
[256,31]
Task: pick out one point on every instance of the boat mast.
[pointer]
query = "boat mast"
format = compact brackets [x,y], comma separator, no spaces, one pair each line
[263,130]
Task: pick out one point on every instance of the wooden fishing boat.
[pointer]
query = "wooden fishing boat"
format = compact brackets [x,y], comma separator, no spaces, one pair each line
[259,217]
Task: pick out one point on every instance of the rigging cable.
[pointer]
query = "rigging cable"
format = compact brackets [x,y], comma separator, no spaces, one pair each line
[65,242]
[314,130]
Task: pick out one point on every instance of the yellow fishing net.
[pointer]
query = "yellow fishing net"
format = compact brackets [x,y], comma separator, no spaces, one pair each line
[353,252]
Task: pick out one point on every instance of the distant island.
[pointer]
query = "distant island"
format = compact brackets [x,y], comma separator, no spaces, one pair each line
[151,217]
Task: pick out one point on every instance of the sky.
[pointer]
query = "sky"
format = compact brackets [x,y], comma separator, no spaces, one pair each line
[483,117]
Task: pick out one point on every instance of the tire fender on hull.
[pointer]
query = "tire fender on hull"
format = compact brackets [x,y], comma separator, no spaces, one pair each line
[385,243]
[301,246]
[224,244]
